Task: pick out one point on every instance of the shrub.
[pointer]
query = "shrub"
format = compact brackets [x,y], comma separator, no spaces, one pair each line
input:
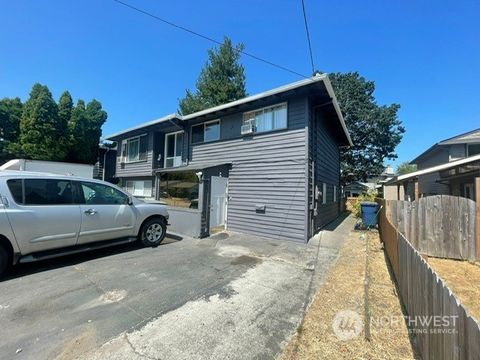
[370,195]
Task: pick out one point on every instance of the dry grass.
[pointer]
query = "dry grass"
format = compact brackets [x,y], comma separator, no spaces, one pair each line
[463,278]
[344,290]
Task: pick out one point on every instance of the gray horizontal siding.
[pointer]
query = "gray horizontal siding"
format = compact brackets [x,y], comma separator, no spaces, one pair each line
[267,169]
[327,169]
[428,183]
[140,168]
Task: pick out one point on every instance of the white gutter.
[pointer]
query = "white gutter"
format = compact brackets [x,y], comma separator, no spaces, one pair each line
[436,168]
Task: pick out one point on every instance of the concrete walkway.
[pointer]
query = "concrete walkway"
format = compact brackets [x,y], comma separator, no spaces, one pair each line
[226,297]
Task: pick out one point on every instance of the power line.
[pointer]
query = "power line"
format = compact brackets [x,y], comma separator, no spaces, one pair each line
[144,12]
[308,36]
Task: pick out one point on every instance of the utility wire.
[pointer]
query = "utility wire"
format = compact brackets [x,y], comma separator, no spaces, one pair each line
[308,36]
[208,38]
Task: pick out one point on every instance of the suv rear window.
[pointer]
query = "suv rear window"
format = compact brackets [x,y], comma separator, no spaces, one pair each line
[41,191]
[16,189]
[48,192]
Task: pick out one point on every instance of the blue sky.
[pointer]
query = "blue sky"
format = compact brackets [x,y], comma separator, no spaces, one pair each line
[423,55]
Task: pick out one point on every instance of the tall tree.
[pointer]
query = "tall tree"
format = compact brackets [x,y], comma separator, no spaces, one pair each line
[221,80]
[41,129]
[96,117]
[375,129]
[406,168]
[85,129]
[65,107]
[10,114]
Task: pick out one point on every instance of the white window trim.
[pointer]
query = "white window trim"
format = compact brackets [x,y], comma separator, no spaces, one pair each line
[133,187]
[124,159]
[204,124]
[174,149]
[244,122]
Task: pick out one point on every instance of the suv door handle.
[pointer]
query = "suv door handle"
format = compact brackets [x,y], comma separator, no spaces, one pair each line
[90,212]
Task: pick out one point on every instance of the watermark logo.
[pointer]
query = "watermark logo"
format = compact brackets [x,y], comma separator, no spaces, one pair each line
[347,325]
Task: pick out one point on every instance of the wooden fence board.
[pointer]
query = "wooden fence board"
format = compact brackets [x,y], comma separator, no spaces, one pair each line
[423,292]
[439,226]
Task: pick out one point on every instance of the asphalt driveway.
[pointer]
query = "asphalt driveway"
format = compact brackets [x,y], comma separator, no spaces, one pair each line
[228,296]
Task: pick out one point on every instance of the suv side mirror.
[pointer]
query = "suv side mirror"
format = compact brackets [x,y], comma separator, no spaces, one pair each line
[130,201]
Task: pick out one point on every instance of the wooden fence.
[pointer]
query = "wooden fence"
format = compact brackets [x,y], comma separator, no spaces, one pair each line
[426,297]
[440,226]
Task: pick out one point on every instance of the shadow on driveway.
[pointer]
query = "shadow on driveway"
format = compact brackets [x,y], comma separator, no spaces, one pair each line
[21,270]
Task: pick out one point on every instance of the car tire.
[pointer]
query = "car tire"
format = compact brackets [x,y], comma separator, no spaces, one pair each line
[153,232]
[4,258]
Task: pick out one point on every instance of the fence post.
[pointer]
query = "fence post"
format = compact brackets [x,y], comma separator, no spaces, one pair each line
[477,216]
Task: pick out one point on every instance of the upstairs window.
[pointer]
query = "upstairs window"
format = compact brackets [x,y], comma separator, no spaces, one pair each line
[267,119]
[208,131]
[473,149]
[134,149]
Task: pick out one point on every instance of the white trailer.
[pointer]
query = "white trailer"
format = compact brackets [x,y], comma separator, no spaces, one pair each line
[52,167]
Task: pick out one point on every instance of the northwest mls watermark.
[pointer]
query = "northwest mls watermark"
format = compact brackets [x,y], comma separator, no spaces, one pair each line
[348,325]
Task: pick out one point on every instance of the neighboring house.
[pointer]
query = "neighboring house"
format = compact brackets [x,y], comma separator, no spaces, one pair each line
[449,167]
[267,164]
[445,151]
[357,188]
[374,183]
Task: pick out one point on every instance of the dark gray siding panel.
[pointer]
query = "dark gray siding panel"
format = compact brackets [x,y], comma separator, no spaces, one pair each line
[137,168]
[326,169]
[267,169]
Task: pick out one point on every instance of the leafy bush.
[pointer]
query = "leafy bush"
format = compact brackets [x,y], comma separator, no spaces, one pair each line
[370,195]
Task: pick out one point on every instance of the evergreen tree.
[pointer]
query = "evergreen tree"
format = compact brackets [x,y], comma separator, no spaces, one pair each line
[375,129]
[10,114]
[65,107]
[221,80]
[41,130]
[85,128]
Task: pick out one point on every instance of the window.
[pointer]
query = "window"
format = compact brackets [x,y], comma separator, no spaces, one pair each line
[180,189]
[134,149]
[99,194]
[140,188]
[267,119]
[208,131]
[16,189]
[173,149]
[42,191]
[324,193]
[334,193]
[473,149]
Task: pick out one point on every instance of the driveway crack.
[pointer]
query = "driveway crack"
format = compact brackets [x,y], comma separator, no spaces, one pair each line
[136,351]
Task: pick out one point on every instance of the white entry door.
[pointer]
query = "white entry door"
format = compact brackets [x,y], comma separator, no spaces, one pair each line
[218,201]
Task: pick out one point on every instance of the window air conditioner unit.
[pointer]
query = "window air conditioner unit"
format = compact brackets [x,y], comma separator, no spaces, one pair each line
[247,129]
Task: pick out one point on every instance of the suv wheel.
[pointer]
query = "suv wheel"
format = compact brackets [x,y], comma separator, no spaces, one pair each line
[3,259]
[153,232]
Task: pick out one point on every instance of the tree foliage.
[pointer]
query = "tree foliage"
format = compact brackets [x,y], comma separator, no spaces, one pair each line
[406,168]
[10,113]
[85,131]
[375,129]
[42,129]
[221,80]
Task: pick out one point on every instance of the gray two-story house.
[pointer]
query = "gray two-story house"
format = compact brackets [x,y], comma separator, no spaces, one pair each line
[267,164]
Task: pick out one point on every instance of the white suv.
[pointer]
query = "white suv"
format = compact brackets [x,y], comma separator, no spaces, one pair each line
[44,216]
